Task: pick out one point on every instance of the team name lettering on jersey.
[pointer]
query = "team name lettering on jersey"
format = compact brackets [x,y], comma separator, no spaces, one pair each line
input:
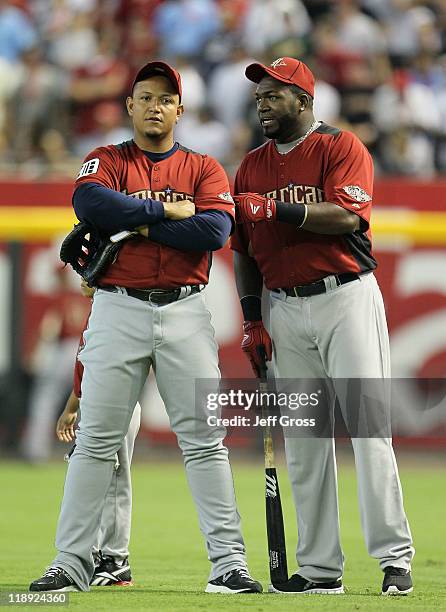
[297,194]
[165,195]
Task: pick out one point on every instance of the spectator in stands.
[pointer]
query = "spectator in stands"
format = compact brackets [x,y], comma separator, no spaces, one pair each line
[403,102]
[357,96]
[202,132]
[17,32]
[37,104]
[330,53]
[407,152]
[74,43]
[408,117]
[355,31]
[57,161]
[135,20]
[229,96]
[194,88]
[428,69]
[218,49]
[184,27]
[228,88]
[104,78]
[268,21]
[327,102]
[109,128]
[362,51]
[406,27]
[9,81]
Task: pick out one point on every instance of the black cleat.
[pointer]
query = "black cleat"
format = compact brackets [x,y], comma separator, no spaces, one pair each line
[109,572]
[397,581]
[235,581]
[298,585]
[54,579]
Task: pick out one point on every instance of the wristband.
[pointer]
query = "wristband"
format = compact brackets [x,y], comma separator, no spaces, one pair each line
[296,214]
[252,307]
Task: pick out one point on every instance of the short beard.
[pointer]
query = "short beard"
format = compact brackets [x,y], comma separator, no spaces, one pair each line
[286,130]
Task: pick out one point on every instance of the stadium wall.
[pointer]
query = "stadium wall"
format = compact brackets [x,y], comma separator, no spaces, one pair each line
[409,223]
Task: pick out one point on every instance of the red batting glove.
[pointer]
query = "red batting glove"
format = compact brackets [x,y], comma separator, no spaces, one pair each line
[252,207]
[255,337]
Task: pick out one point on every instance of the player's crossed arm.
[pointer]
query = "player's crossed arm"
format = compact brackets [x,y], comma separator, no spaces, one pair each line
[320,218]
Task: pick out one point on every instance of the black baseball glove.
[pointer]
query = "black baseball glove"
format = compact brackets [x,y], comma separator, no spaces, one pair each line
[88,252]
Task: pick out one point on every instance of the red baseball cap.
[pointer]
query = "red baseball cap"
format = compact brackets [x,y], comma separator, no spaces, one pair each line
[286,69]
[159,68]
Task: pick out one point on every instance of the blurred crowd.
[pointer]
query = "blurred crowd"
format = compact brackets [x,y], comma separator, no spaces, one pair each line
[66,67]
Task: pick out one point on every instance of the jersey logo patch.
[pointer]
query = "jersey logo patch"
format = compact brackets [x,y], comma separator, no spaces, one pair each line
[226,196]
[90,167]
[357,193]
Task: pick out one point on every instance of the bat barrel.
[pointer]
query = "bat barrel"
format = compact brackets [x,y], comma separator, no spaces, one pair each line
[278,568]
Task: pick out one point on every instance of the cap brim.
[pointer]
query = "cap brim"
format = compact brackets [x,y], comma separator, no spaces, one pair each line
[256,72]
[157,68]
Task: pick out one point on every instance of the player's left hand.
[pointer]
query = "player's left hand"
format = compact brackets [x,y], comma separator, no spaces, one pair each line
[252,207]
[65,426]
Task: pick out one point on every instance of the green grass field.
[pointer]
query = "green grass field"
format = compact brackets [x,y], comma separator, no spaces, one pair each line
[168,557]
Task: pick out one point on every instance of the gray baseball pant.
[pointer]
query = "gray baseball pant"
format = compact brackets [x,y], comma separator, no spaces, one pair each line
[341,334]
[125,336]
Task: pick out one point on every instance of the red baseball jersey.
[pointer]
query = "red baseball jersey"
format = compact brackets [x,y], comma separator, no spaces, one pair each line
[78,368]
[330,165]
[185,174]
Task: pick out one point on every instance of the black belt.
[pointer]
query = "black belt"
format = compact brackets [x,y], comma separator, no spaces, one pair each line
[319,286]
[160,297]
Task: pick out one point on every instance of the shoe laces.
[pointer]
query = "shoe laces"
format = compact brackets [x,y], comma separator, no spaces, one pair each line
[243,572]
[53,571]
[115,561]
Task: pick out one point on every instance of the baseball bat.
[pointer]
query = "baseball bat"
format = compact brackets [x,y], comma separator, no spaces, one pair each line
[278,569]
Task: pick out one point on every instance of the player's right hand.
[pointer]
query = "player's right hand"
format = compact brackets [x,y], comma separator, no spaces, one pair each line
[86,290]
[253,207]
[176,211]
[255,336]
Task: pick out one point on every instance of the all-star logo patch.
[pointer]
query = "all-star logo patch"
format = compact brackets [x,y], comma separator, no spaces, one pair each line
[357,193]
[278,62]
[226,196]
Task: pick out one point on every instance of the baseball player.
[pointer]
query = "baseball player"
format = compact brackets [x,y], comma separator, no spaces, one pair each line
[149,310]
[304,199]
[111,551]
